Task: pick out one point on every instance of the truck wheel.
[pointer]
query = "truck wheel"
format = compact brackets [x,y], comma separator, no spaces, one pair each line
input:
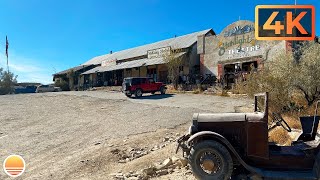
[128,95]
[210,160]
[138,93]
[162,90]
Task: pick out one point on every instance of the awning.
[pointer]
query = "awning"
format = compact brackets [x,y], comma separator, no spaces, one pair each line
[77,68]
[129,64]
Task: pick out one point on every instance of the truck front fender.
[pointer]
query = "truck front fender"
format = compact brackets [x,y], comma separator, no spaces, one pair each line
[218,137]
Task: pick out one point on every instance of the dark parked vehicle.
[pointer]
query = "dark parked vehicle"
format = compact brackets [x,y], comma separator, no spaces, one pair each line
[224,145]
[140,85]
[47,88]
[27,89]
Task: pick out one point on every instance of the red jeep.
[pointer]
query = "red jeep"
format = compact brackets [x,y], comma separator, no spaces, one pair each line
[140,85]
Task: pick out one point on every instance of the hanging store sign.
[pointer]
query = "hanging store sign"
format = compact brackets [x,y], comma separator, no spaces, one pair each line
[108,62]
[157,53]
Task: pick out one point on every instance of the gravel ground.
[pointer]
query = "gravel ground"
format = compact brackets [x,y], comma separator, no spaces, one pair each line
[53,131]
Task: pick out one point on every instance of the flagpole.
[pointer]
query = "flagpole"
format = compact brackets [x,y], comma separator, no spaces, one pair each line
[7,64]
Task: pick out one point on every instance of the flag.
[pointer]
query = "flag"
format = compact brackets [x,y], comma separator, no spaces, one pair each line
[7,54]
[7,46]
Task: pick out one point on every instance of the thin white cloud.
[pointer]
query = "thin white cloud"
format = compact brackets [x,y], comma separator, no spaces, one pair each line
[27,69]
[37,77]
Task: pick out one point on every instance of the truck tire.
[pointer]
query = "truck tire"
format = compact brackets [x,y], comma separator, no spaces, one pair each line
[162,90]
[128,95]
[138,93]
[210,160]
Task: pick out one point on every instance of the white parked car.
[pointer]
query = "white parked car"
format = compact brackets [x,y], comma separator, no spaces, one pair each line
[47,88]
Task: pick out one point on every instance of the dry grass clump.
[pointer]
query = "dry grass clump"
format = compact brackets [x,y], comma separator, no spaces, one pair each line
[170,88]
[197,91]
[240,88]
[224,93]
[293,121]
[280,136]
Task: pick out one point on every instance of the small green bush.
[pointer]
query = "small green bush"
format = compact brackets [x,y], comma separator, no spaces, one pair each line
[63,85]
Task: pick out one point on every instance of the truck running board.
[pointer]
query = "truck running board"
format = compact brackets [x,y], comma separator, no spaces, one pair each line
[292,175]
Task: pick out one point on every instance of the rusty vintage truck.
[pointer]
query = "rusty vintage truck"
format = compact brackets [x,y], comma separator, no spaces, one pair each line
[235,145]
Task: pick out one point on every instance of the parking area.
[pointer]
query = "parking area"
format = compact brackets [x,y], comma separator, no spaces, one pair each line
[55,131]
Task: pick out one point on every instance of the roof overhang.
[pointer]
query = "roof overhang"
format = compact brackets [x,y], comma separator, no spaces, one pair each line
[130,64]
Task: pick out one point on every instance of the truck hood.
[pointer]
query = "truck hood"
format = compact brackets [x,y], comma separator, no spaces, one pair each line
[227,117]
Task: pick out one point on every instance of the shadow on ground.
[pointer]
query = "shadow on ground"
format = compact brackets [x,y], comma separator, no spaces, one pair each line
[156,96]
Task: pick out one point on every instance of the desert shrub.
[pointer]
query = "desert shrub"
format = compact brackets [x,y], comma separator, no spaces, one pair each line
[284,78]
[7,81]
[224,93]
[174,60]
[197,91]
[63,85]
[71,76]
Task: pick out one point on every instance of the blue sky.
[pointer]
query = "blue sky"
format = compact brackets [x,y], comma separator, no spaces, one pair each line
[47,36]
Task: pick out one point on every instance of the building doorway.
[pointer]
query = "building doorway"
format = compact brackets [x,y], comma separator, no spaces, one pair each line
[152,73]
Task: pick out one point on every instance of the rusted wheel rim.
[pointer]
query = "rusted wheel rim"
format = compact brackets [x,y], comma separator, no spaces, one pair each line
[210,162]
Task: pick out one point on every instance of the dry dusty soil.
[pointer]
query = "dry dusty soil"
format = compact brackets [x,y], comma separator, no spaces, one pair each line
[89,135]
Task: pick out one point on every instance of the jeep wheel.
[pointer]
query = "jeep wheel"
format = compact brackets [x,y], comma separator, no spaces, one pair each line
[210,160]
[128,95]
[162,90]
[138,93]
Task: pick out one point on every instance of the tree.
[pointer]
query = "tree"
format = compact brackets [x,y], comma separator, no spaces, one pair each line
[173,61]
[7,81]
[71,75]
[64,85]
[307,76]
[283,76]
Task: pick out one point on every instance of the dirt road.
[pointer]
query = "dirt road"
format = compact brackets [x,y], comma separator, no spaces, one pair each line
[69,135]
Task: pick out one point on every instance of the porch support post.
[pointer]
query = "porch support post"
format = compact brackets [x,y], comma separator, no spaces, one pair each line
[156,73]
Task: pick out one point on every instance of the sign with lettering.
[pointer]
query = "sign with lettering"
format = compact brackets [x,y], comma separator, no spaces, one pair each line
[238,30]
[108,62]
[238,41]
[235,44]
[157,53]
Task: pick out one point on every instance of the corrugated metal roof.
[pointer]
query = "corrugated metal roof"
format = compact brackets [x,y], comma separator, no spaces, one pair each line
[176,43]
[77,68]
[97,60]
[129,64]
